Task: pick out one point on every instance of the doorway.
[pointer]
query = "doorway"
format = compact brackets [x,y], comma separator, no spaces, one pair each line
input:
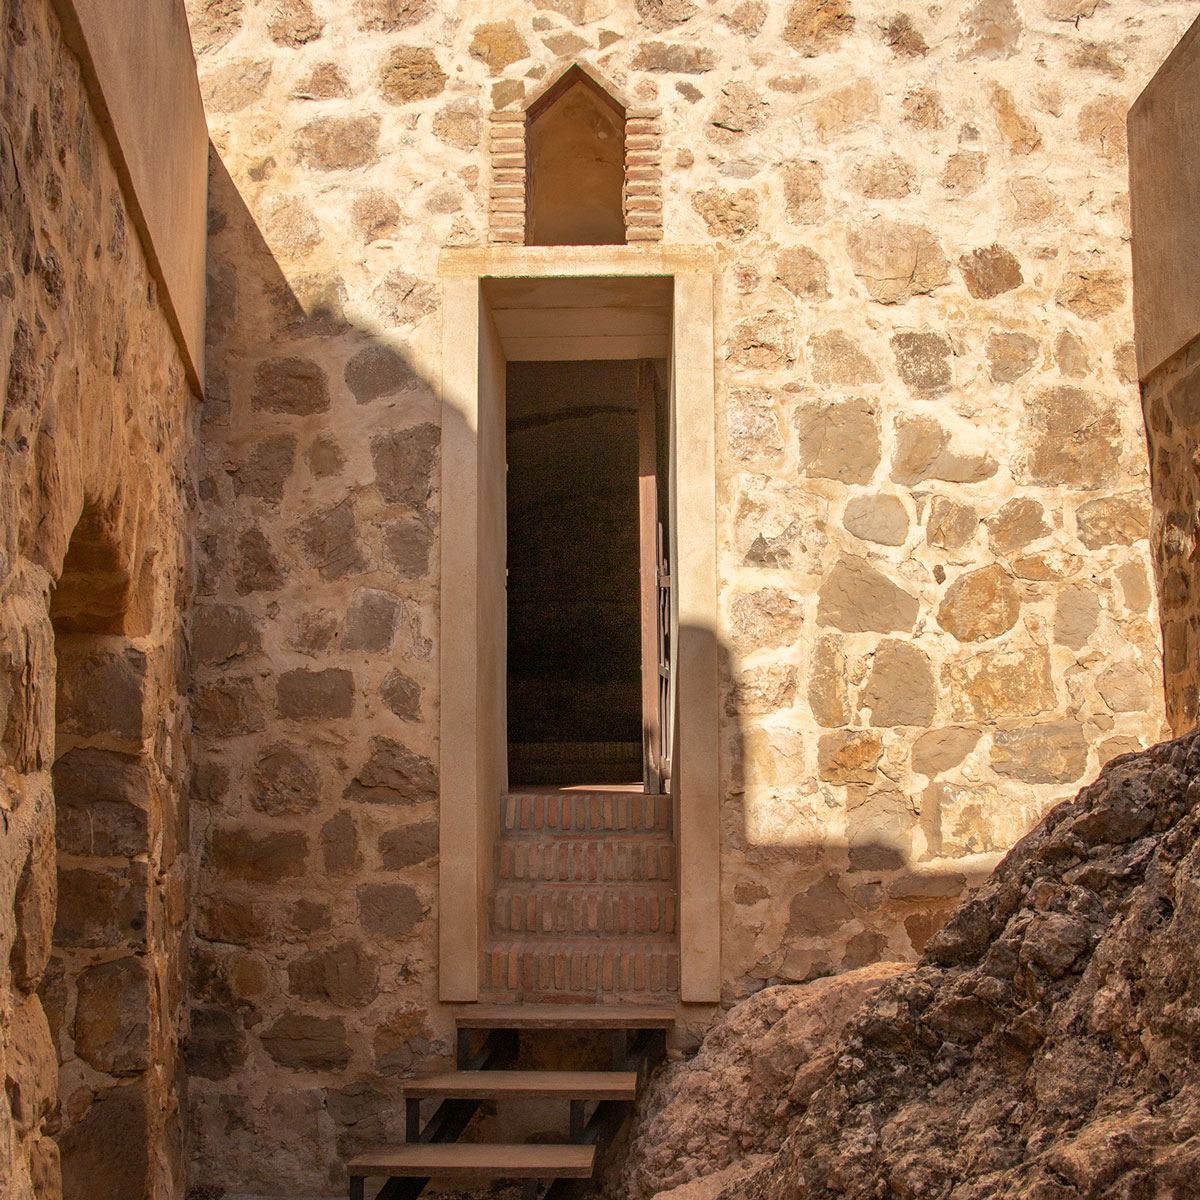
[506,305]
[578,542]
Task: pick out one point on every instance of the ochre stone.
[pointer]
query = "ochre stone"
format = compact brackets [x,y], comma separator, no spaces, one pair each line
[990,271]
[923,360]
[393,774]
[112,1016]
[1018,523]
[827,694]
[286,781]
[950,525]
[338,143]
[762,690]
[1054,752]
[849,756]
[409,845]
[1076,438]
[803,272]
[1113,520]
[390,910]
[817,26]
[1076,614]
[1010,356]
[896,260]
[999,683]
[307,1043]
[411,73]
[727,214]
[345,976]
[838,360]
[764,618]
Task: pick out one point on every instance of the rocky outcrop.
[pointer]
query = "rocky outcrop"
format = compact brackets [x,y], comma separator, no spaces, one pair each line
[1046,1046]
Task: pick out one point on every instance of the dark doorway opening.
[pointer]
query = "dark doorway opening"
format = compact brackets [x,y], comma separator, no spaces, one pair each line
[575,562]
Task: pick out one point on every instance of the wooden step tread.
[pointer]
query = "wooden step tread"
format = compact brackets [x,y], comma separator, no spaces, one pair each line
[462,1160]
[496,1085]
[566,1016]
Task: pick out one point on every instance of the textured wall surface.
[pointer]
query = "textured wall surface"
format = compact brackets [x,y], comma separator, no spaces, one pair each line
[937,614]
[98,432]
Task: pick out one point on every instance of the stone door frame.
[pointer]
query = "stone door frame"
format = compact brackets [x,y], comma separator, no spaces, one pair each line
[473,742]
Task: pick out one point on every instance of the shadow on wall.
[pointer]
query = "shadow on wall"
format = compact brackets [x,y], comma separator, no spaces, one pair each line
[314,970]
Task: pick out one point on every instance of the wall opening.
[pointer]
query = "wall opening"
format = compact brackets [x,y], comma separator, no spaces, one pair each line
[575,165]
[574,617]
[99,988]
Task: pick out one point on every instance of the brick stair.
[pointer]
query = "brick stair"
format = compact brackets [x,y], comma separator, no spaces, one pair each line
[584,906]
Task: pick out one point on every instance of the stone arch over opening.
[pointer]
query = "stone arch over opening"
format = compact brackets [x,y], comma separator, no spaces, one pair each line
[100,990]
[575,164]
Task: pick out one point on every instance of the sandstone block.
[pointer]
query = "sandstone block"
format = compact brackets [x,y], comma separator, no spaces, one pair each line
[965,172]
[339,843]
[941,749]
[739,111]
[837,112]
[344,975]
[256,568]
[307,1043]
[923,108]
[403,299]
[459,124]
[293,23]
[1010,356]
[838,440]
[877,517]
[387,16]
[827,695]
[102,907]
[990,272]
[402,695]
[857,598]
[375,214]
[1113,520]
[1126,688]
[991,29]
[257,858]
[849,756]
[100,691]
[879,831]
[818,911]
[324,82]
[901,688]
[1070,355]
[999,683]
[817,26]
[215,1046]
[411,73]
[950,525]
[764,618]
[31,1066]
[1054,752]
[101,800]
[390,910]
[338,143]
[1091,291]
[394,774]
[838,360]
[1076,439]
[727,214]
[106,1152]
[1018,523]
[762,690]
[221,632]
[404,461]
[803,196]
[329,540]
[379,371]
[409,845]
[286,780]
[981,604]
[227,709]
[306,694]
[673,58]
[904,39]
[290,385]
[883,177]
[803,272]
[923,360]
[235,85]
[1102,125]
[402,1039]
[762,343]
[497,45]
[896,261]
[1017,131]
[112,1016]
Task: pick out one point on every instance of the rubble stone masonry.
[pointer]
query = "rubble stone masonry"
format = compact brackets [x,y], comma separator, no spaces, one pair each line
[96,446]
[937,614]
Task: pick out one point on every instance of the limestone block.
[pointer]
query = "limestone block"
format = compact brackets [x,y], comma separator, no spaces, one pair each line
[849,756]
[1018,523]
[879,831]
[338,143]
[827,691]
[221,632]
[960,820]
[838,440]
[35,904]
[31,1066]
[224,709]
[896,260]
[100,691]
[290,385]
[1075,439]
[673,58]
[980,604]
[923,360]
[1076,615]
[765,618]
[727,214]
[950,524]
[401,1040]
[990,271]
[379,371]
[329,540]
[387,16]
[763,343]
[803,194]
[412,73]
[752,425]
[402,695]
[1113,520]
[942,749]
[817,26]
[404,461]
[878,518]
[838,360]
[741,110]
[804,273]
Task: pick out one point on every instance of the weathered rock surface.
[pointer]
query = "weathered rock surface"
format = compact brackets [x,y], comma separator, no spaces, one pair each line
[1044,1047]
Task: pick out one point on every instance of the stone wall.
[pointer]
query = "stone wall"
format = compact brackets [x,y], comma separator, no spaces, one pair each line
[1164,180]
[936,607]
[95,577]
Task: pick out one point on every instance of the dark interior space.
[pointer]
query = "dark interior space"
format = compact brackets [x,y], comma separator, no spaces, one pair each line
[574,617]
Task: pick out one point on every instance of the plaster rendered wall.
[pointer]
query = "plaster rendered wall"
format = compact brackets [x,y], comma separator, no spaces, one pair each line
[1164,174]
[936,609]
[98,432]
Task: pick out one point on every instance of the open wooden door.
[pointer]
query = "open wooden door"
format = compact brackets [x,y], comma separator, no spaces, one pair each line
[655,590]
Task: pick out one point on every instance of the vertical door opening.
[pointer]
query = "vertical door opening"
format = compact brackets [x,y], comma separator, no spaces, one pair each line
[582,440]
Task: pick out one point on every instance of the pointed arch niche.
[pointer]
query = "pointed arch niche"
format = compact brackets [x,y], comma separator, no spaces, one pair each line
[577,166]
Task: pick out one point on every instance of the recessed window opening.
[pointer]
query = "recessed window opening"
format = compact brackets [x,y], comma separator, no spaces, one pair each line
[575,147]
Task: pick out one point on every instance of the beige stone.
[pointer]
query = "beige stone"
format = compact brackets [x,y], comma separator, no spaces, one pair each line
[950,524]
[1054,752]
[965,171]
[923,360]
[338,143]
[390,15]
[883,177]
[816,26]
[1019,133]
[803,194]
[727,214]
[762,690]
[803,272]
[904,39]
[943,749]
[1091,291]
[839,361]
[1011,355]
[1018,523]
[753,427]
[764,618]
[877,518]
[763,343]
[740,110]
[857,598]
[1075,438]
[990,271]
[901,688]
[843,109]
[923,108]
[896,260]
[1102,123]
[827,690]
[838,440]
[1112,520]
[411,73]
[991,29]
